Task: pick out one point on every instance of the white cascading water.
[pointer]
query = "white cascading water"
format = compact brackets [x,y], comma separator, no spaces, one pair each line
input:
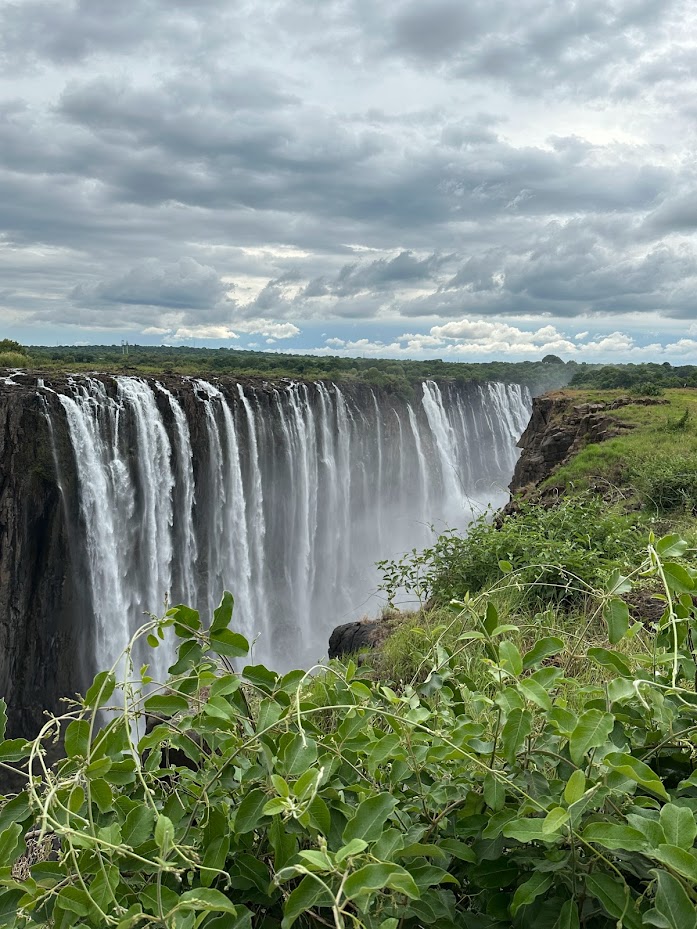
[285,495]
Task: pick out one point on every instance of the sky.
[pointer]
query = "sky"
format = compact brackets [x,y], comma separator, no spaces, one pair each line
[432,179]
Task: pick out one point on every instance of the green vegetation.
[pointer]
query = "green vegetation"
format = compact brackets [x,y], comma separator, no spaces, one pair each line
[644,378]
[392,374]
[496,788]
[520,754]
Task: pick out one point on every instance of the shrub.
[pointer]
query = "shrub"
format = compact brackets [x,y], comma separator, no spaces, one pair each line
[530,801]
[13,360]
[558,553]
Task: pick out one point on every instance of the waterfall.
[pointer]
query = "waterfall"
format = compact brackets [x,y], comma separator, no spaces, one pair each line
[285,494]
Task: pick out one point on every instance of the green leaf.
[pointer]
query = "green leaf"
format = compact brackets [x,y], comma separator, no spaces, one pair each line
[12,750]
[543,648]
[491,618]
[494,792]
[77,739]
[610,660]
[250,811]
[671,546]
[9,903]
[232,644]
[615,897]
[101,690]
[505,567]
[316,860]
[373,877]
[225,685]
[214,859]
[527,830]
[617,584]
[309,892]
[14,811]
[535,693]
[354,847]
[509,658]
[677,859]
[679,826]
[592,730]
[568,916]
[102,795]
[138,826]
[678,578]
[222,615]
[636,771]
[616,613]
[296,753]
[575,787]
[369,818]
[10,844]
[534,887]
[164,834]
[3,718]
[517,728]
[206,899]
[74,899]
[673,903]
[185,619]
[383,749]
[166,705]
[458,850]
[614,836]
[554,820]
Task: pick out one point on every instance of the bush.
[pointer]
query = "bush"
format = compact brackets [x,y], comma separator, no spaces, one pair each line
[13,360]
[557,553]
[9,345]
[529,801]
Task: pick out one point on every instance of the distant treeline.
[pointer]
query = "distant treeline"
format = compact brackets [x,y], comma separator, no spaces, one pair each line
[548,374]
[645,378]
[390,373]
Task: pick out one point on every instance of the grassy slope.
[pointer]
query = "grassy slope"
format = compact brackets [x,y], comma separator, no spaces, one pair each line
[656,440]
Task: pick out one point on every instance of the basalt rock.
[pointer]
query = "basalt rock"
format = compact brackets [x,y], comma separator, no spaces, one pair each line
[351,638]
[559,428]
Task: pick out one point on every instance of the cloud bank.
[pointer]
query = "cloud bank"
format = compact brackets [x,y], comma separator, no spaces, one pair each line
[445,179]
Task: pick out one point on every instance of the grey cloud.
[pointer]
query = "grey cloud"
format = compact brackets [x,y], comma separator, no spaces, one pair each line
[437,29]
[344,159]
[384,274]
[184,285]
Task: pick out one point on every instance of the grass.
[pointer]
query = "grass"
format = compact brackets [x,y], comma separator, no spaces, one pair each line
[658,437]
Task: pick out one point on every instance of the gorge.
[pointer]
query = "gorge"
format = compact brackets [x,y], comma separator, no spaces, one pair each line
[118,493]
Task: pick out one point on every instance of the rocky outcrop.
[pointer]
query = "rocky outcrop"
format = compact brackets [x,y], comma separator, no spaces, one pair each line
[350,638]
[559,428]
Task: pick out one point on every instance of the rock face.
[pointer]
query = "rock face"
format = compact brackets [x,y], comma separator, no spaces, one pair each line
[559,428]
[40,646]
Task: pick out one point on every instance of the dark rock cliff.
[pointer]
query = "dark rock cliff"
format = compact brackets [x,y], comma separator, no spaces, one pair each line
[40,647]
[559,428]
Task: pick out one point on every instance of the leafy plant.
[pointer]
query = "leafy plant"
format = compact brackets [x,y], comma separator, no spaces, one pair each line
[264,800]
[558,553]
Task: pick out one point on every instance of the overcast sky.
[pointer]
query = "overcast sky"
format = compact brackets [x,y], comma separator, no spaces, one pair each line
[462,179]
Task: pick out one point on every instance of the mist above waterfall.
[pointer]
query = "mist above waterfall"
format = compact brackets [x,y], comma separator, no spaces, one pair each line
[285,494]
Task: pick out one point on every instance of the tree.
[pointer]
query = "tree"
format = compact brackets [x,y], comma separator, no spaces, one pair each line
[9,345]
[552,360]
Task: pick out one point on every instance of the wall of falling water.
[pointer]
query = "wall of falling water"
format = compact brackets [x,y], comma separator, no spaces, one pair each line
[285,494]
